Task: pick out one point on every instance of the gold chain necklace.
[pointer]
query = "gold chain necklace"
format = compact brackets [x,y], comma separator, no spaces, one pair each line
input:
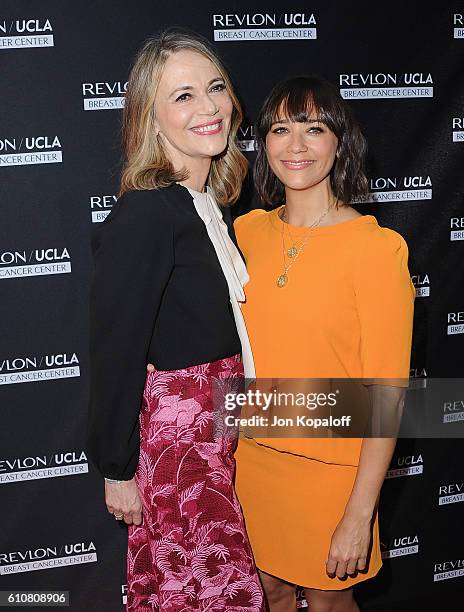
[294,251]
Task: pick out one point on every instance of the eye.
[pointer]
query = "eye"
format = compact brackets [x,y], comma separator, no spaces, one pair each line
[183,97]
[218,87]
[315,130]
[279,130]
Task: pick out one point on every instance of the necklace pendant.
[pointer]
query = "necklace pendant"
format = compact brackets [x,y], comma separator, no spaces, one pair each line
[292,251]
[282,280]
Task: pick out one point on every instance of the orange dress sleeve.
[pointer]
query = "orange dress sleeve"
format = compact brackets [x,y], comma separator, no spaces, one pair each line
[385,304]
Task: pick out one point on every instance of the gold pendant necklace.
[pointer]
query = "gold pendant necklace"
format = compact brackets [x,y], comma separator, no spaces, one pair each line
[294,251]
[282,279]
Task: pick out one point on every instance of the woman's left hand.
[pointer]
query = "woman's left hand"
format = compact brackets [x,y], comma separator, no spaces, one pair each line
[349,546]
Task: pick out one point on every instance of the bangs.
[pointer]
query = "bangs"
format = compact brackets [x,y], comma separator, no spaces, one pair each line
[297,107]
[301,100]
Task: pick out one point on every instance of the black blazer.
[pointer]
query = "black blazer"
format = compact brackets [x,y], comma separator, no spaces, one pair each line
[159,295]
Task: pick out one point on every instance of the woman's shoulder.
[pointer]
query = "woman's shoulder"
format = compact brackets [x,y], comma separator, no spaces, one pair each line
[379,248]
[247,227]
[380,238]
[249,219]
[149,199]
[135,214]
[139,206]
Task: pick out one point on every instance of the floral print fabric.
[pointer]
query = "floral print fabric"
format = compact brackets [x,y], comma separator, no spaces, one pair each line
[191,551]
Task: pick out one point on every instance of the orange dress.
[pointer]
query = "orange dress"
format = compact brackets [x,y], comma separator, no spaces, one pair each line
[345,312]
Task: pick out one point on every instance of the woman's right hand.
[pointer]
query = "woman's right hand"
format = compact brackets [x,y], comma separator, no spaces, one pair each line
[123,499]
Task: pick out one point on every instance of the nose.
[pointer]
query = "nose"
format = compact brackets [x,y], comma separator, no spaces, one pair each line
[208,105]
[297,142]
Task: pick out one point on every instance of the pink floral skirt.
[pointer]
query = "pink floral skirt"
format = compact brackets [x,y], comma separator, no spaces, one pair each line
[191,551]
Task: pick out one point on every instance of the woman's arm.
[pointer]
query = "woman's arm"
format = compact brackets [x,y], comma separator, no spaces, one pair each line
[376,454]
[351,539]
[133,257]
[385,301]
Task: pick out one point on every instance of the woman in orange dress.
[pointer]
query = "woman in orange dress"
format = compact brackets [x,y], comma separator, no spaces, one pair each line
[329,296]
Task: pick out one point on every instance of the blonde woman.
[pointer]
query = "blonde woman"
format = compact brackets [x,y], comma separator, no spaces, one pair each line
[165,290]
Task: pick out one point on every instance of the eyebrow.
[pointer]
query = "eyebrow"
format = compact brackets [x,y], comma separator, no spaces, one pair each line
[286,121]
[189,87]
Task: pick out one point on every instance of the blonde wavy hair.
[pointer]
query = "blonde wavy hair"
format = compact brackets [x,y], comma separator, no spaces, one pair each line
[146,163]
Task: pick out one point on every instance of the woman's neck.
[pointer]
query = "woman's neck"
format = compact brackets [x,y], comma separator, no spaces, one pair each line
[304,207]
[198,170]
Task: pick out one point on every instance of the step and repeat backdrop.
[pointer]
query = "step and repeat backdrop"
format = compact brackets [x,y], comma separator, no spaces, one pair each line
[64,70]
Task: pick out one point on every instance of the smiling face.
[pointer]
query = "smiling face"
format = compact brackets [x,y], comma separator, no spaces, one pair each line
[193,109]
[301,154]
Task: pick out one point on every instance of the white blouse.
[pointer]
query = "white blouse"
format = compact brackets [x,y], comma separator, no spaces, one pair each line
[231,263]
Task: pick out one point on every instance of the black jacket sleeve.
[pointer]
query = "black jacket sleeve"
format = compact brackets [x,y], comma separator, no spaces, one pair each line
[133,259]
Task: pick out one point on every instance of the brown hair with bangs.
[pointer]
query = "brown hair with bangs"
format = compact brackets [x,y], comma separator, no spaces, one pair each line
[311,97]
